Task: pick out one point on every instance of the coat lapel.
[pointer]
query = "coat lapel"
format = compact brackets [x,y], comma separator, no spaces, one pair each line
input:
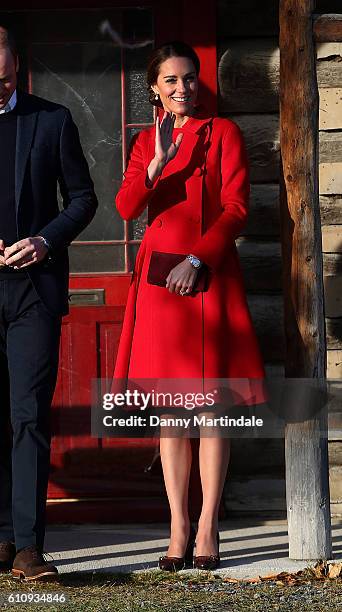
[25,131]
[191,134]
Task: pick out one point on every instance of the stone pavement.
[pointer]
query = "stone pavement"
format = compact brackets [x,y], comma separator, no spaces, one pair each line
[248,548]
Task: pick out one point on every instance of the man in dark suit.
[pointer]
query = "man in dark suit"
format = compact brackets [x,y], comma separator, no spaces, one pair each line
[39,147]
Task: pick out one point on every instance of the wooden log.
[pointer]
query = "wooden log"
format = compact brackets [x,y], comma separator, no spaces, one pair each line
[330,147]
[274,370]
[263,217]
[247,18]
[261,134]
[329,72]
[267,315]
[332,263]
[254,496]
[267,456]
[331,209]
[248,76]
[334,333]
[328,28]
[300,220]
[306,450]
[261,265]
[333,296]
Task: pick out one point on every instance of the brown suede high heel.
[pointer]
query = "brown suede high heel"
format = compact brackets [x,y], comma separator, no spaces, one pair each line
[174,564]
[209,562]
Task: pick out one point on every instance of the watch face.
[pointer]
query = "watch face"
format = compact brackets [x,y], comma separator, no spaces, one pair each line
[194,261]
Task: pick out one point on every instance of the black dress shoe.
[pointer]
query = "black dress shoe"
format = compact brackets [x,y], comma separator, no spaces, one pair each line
[7,555]
[174,564]
[208,562]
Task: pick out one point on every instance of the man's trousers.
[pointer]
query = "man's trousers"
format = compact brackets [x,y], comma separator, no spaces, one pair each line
[29,348]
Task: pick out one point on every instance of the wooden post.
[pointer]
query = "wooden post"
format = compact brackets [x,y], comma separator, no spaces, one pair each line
[306,441]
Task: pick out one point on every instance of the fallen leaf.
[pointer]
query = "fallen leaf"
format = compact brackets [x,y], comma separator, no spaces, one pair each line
[334,570]
[253,580]
[269,577]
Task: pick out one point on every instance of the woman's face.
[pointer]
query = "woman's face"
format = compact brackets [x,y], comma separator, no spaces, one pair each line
[177,85]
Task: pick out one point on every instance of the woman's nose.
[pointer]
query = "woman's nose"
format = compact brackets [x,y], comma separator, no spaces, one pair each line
[181,87]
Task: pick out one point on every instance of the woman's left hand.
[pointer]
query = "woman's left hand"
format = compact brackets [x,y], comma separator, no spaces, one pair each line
[182,278]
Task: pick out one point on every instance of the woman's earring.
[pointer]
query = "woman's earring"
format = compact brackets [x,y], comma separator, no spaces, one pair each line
[156,97]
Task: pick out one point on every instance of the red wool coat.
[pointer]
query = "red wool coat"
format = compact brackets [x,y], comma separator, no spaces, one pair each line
[199,205]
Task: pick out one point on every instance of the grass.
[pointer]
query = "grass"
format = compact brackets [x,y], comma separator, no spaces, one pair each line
[156,591]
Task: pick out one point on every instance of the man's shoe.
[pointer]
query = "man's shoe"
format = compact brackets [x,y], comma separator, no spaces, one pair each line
[29,564]
[7,555]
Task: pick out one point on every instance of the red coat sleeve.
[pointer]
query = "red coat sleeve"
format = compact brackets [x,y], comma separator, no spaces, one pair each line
[211,248]
[133,195]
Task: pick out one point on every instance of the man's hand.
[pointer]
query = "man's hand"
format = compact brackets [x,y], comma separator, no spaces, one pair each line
[2,253]
[25,252]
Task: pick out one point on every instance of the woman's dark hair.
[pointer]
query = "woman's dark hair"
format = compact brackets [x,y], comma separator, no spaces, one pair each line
[7,39]
[159,55]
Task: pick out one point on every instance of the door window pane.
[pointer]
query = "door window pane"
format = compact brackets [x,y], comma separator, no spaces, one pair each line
[94,62]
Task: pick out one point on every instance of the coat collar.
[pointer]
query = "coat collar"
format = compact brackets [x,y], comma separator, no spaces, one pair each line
[192,130]
[199,119]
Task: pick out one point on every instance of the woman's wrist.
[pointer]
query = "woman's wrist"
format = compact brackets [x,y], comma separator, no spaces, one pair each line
[154,170]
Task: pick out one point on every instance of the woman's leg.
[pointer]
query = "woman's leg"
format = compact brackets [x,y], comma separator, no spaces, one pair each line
[214,453]
[176,463]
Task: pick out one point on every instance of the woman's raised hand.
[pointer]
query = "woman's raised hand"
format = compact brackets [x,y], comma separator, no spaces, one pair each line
[165,148]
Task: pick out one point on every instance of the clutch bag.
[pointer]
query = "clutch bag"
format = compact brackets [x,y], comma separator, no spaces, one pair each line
[161,265]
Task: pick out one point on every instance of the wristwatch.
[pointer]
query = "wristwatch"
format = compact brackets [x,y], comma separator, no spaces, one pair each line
[46,243]
[195,262]
[49,249]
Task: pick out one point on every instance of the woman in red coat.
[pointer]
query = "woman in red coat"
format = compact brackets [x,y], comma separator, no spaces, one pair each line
[191,170]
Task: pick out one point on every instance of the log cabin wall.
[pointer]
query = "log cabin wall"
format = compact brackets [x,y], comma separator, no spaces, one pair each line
[248,75]
[329,76]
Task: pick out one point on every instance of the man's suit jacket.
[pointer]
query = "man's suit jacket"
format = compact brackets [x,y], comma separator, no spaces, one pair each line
[49,152]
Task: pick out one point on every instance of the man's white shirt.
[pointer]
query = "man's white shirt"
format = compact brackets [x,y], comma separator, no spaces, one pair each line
[10,104]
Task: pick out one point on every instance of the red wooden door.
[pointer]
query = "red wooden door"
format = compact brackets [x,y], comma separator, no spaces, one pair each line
[93,61]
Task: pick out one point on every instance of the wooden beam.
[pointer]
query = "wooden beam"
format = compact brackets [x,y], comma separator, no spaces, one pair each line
[306,448]
[327,28]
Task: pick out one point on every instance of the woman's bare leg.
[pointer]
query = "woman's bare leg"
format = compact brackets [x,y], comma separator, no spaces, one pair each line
[214,453]
[176,463]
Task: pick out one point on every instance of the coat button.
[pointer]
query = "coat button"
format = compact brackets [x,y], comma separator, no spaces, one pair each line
[159,223]
[196,218]
[198,172]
